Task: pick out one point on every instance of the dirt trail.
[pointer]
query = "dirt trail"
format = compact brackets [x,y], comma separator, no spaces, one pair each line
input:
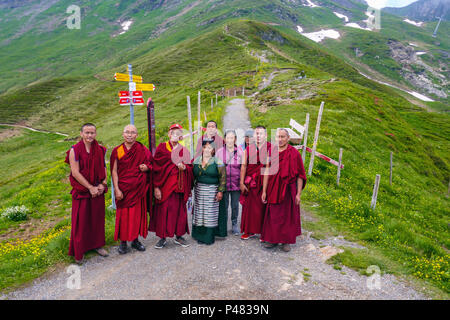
[231,268]
[32,129]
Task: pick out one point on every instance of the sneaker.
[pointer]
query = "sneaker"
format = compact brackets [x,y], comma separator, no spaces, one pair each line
[137,245]
[286,247]
[180,241]
[102,252]
[161,243]
[235,230]
[246,236]
[269,245]
[123,248]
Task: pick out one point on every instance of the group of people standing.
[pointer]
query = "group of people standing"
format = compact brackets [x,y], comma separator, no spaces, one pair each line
[266,179]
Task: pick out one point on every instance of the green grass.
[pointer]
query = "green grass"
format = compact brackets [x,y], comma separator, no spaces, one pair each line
[366,119]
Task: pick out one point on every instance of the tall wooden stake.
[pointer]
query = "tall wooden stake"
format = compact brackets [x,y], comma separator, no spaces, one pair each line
[190,126]
[305,137]
[390,170]
[316,137]
[375,192]
[339,166]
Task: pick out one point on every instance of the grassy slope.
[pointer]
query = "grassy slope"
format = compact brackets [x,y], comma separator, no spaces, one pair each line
[214,61]
[410,221]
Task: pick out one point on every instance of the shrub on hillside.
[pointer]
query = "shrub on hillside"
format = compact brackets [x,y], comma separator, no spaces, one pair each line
[17,213]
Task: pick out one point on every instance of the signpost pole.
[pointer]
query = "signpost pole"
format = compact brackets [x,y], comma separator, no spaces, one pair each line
[130,73]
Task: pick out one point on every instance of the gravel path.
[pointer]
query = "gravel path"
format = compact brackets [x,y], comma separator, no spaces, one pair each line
[236,117]
[231,268]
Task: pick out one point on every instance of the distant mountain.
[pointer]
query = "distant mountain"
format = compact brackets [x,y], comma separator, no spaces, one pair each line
[423,10]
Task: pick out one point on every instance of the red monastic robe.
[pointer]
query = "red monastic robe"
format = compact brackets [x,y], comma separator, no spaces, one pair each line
[252,206]
[169,216]
[282,218]
[131,213]
[88,213]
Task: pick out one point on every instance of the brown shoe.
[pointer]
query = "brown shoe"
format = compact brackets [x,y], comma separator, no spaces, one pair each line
[286,247]
[102,252]
[269,245]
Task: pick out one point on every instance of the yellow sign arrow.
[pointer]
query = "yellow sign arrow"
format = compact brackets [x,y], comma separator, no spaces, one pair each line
[145,87]
[126,77]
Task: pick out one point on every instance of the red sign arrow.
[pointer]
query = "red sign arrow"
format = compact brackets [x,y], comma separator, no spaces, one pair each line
[124,94]
[137,94]
[138,101]
[124,101]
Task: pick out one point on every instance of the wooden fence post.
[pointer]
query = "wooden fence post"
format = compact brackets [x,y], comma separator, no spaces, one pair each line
[190,126]
[375,192]
[339,166]
[198,113]
[316,137]
[390,171]
[243,91]
[448,191]
[305,137]
[216,99]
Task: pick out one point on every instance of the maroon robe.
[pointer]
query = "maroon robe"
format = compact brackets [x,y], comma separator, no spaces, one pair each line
[169,216]
[131,213]
[88,213]
[253,208]
[282,218]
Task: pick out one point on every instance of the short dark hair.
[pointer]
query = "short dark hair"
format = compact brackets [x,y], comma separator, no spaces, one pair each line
[88,124]
[211,121]
[260,127]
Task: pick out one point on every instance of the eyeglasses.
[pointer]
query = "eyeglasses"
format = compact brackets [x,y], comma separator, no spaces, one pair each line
[130,132]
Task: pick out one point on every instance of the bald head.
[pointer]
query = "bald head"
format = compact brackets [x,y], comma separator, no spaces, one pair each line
[282,137]
[130,127]
[130,134]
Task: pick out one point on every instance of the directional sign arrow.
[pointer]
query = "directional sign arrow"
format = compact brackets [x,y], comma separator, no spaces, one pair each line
[124,101]
[138,101]
[126,77]
[145,86]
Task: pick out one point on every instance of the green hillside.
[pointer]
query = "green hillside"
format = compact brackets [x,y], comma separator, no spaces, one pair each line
[36,44]
[407,234]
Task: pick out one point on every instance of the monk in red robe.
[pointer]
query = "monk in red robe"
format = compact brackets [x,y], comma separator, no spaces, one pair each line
[282,193]
[211,135]
[256,157]
[172,180]
[89,185]
[130,170]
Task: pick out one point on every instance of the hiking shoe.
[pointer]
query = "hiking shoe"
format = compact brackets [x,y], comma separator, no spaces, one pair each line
[286,247]
[102,252]
[180,241]
[123,248]
[269,245]
[137,245]
[235,230]
[161,243]
[246,236]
